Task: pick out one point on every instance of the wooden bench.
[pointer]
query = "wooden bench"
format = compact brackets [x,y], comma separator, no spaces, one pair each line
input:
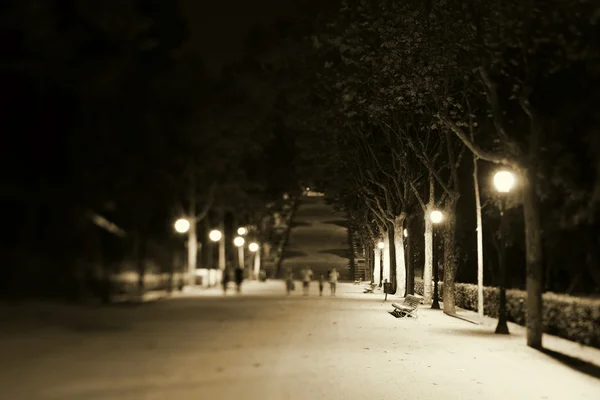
[408,308]
[371,288]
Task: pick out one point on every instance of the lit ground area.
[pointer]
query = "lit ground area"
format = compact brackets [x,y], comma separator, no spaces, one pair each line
[264,345]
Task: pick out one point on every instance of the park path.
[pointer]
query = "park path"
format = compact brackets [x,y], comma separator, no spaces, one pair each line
[318,239]
[264,345]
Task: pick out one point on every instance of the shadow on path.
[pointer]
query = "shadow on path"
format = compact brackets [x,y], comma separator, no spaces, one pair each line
[575,363]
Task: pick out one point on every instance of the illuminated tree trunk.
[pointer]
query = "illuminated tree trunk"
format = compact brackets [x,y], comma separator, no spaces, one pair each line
[450,254]
[410,267]
[386,257]
[479,241]
[400,259]
[428,267]
[377,263]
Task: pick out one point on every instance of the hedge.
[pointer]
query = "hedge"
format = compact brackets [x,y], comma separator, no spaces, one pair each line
[571,318]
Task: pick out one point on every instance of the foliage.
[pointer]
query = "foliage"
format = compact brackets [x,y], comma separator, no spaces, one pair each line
[572,318]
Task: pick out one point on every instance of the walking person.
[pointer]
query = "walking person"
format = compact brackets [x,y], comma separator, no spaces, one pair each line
[321,284]
[239,278]
[334,275]
[307,275]
[289,281]
[225,280]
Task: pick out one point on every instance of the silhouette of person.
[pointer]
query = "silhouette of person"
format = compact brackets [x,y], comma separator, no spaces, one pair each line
[321,284]
[307,275]
[225,280]
[334,275]
[239,278]
[289,281]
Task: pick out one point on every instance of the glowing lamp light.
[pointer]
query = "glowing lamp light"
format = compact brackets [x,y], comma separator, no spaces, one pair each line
[380,245]
[238,241]
[406,233]
[253,247]
[436,217]
[182,225]
[504,181]
[215,235]
[242,231]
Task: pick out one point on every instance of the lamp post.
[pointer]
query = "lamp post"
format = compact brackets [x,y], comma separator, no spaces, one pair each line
[239,243]
[504,182]
[436,217]
[254,247]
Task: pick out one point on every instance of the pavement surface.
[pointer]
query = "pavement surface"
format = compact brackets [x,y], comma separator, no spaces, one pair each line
[318,239]
[264,345]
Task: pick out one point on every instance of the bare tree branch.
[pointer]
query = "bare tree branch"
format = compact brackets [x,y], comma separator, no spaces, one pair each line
[478,151]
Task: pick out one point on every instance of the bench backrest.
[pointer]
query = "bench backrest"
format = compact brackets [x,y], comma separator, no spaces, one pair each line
[412,301]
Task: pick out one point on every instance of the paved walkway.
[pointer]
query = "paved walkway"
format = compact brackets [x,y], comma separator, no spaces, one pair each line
[264,345]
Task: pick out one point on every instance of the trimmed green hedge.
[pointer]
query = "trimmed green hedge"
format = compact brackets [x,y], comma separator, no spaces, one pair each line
[572,318]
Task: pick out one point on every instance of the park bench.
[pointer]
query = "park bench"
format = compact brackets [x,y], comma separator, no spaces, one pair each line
[371,288]
[408,307]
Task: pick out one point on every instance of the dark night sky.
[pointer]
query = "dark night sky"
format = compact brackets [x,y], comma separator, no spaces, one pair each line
[218,29]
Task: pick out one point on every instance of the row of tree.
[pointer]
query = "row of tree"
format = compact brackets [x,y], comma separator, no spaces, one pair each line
[388,99]
[109,120]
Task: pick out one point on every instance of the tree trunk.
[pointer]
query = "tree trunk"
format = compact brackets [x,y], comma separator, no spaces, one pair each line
[392,254]
[192,237]
[533,243]
[352,263]
[386,257]
[222,248]
[377,263]
[400,287]
[192,252]
[479,241]
[450,254]
[367,256]
[428,266]
[410,267]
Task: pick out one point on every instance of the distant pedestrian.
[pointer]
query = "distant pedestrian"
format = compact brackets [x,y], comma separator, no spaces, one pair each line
[321,284]
[307,275]
[334,275]
[239,278]
[225,280]
[289,281]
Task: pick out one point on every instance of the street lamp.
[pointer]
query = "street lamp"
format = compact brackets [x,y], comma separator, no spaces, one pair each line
[504,182]
[182,225]
[405,232]
[215,235]
[436,217]
[380,245]
[254,247]
[242,231]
